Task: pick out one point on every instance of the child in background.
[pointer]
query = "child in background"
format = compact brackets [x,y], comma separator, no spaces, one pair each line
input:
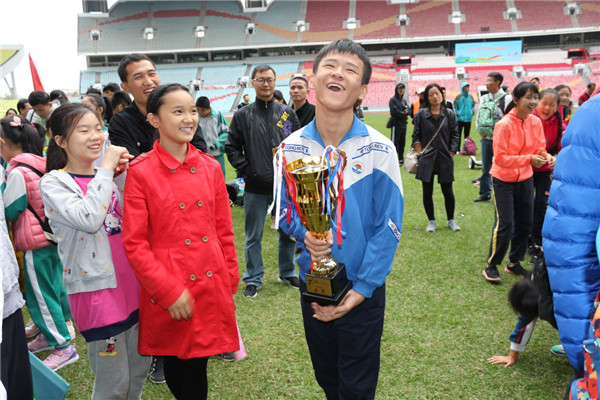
[547,112]
[84,210]
[178,234]
[565,102]
[45,292]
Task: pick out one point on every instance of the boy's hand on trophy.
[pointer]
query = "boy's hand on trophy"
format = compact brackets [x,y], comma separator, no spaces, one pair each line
[318,248]
[329,313]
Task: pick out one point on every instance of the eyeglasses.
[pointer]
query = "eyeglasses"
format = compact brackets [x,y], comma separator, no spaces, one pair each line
[262,81]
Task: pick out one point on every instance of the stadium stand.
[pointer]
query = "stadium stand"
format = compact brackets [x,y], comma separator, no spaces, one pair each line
[220,99]
[590,13]
[481,16]
[429,19]
[272,29]
[222,75]
[87,79]
[225,24]
[323,26]
[542,15]
[376,22]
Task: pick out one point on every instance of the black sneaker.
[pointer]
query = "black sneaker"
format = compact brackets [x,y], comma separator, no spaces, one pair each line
[491,274]
[516,269]
[157,370]
[226,356]
[250,291]
[292,281]
[483,198]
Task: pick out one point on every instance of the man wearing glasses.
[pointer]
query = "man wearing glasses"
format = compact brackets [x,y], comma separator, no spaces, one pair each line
[255,131]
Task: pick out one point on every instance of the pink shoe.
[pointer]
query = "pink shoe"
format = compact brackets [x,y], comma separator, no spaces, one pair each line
[31,330]
[39,344]
[61,358]
[71,328]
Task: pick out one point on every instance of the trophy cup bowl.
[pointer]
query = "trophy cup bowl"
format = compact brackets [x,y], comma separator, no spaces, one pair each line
[326,282]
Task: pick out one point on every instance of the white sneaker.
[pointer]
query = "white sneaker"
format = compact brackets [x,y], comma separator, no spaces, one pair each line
[431,226]
[453,225]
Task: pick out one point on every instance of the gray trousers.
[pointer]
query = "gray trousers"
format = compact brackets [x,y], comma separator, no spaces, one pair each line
[120,371]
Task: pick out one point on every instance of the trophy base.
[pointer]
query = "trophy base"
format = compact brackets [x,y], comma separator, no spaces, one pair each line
[327,291]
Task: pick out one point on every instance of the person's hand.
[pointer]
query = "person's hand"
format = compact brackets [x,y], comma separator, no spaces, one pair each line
[330,313]
[183,307]
[116,158]
[318,248]
[452,154]
[510,359]
[551,161]
[537,161]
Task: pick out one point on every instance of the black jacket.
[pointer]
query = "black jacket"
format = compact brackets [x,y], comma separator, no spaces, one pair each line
[439,150]
[130,128]
[254,132]
[397,108]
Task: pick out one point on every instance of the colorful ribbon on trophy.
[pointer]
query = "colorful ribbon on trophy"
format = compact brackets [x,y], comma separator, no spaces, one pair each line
[329,154]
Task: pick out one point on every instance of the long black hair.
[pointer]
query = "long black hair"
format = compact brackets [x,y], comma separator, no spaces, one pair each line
[520,91]
[19,131]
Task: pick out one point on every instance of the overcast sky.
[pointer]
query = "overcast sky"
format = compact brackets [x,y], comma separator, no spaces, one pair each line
[48,30]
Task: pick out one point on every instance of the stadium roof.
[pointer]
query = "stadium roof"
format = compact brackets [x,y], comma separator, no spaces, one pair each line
[10,57]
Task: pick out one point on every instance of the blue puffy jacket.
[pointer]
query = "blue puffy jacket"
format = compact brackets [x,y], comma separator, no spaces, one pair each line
[569,232]
[463,105]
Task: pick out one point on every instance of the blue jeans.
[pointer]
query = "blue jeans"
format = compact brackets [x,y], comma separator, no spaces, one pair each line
[487,154]
[255,206]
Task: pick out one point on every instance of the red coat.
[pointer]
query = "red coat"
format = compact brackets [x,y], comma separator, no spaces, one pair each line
[177,232]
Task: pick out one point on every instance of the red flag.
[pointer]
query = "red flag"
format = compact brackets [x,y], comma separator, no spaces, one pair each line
[37,83]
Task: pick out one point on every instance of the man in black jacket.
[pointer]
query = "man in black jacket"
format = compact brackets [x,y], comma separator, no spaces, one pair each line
[130,128]
[298,93]
[399,113]
[256,130]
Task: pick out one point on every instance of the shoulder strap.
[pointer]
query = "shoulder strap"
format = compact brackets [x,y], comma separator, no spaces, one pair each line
[435,135]
[44,224]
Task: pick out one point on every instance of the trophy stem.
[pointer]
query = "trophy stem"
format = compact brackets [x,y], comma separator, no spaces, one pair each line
[326,267]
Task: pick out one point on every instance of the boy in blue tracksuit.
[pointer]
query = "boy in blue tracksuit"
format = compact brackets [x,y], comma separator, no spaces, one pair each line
[464,105]
[344,340]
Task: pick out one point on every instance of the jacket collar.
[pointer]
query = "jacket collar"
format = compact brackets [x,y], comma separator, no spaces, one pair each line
[357,129]
[263,104]
[191,159]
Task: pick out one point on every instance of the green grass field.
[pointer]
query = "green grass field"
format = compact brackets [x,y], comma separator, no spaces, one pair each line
[443,320]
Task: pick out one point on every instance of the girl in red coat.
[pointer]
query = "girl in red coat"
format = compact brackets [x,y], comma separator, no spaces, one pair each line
[178,235]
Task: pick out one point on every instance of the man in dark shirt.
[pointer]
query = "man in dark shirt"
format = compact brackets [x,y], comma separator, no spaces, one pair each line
[130,128]
[298,92]
[587,94]
[245,102]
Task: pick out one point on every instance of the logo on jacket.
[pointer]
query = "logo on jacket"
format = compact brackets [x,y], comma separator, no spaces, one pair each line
[357,168]
[375,146]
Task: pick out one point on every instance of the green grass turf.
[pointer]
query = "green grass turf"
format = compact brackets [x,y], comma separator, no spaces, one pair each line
[443,320]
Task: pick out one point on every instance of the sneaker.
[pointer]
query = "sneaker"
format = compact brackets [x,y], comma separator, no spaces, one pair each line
[71,328]
[31,330]
[291,281]
[483,198]
[250,291]
[39,344]
[516,269]
[453,225]
[558,350]
[226,356]
[491,274]
[476,180]
[61,358]
[431,226]
[157,370]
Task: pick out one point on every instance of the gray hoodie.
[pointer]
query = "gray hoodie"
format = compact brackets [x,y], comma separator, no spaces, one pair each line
[76,221]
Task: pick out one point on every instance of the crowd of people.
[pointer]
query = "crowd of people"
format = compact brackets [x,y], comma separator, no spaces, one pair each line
[113,201]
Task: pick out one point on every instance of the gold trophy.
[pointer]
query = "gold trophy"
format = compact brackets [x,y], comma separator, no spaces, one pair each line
[308,184]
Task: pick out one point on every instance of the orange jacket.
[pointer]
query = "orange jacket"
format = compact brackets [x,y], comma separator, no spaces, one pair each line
[515,141]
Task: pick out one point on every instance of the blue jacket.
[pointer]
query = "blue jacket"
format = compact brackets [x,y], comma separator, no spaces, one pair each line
[463,105]
[372,217]
[570,227]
